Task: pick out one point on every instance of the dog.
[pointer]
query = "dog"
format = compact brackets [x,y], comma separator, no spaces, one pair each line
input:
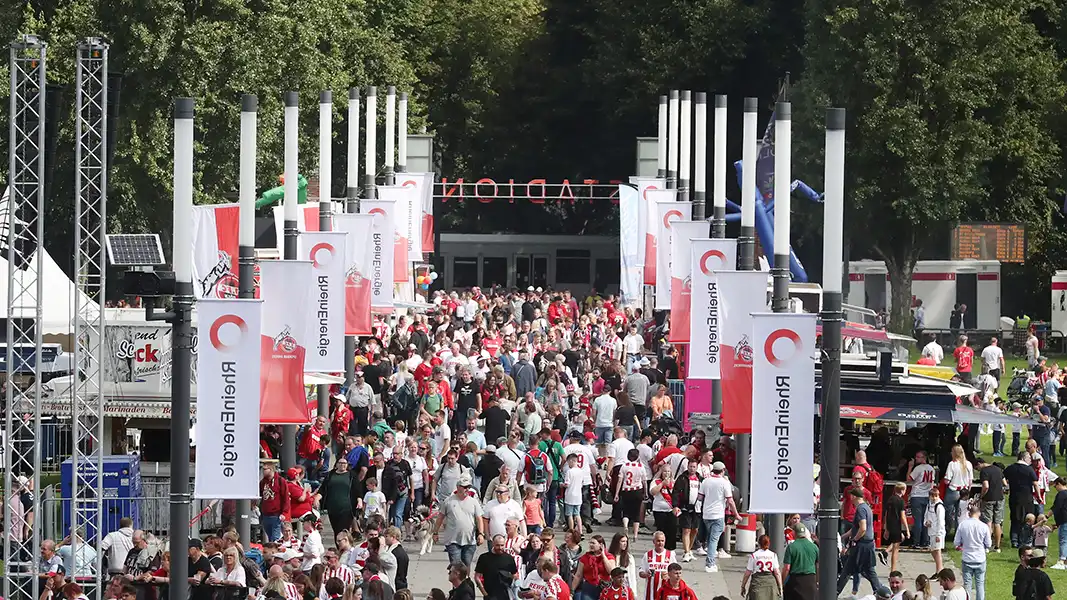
[421,525]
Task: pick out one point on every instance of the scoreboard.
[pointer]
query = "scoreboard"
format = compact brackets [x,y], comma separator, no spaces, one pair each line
[1005,242]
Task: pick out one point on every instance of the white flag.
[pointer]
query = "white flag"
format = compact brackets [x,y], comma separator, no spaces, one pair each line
[706,257]
[327,251]
[384,245]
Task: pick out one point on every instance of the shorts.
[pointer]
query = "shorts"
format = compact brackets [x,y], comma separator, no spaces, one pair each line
[571,510]
[993,512]
[689,520]
[603,435]
[937,542]
[631,504]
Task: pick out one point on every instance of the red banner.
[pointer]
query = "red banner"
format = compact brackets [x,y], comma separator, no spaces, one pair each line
[287,302]
[357,271]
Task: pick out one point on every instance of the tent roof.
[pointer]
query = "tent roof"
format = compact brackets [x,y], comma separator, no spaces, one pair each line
[57,304]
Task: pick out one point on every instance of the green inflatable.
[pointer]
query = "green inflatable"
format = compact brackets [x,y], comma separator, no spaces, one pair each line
[277,195]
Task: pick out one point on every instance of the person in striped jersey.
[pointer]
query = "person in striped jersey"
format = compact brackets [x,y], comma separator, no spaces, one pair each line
[654,564]
[630,490]
[334,568]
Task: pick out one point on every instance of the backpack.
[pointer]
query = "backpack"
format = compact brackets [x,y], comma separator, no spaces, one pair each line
[537,474]
[405,399]
[873,481]
[252,563]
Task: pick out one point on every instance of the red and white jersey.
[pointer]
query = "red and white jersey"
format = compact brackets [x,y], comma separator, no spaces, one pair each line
[291,593]
[345,574]
[555,587]
[655,564]
[614,593]
[514,546]
[762,561]
[632,476]
[362,552]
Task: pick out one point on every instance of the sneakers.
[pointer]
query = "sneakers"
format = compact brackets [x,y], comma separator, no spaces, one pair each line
[701,551]
[722,554]
[1059,566]
[625,523]
[712,569]
[997,550]
[687,557]
[883,557]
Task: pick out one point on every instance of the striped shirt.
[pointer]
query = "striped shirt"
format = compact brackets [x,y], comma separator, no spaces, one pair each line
[632,475]
[655,564]
[291,593]
[514,546]
[345,574]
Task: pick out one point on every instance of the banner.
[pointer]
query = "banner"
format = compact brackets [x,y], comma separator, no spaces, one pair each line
[393,214]
[705,258]
[407,201]
[308,221]
[328,253]
[643,184]
[417,226]
[427,215]
[740,294]
[783,388]
[215,231]
[681,275]
[666,214]
[227,398]
[381,257]
[360,248]
[287,305]
[651,197]
[629,245]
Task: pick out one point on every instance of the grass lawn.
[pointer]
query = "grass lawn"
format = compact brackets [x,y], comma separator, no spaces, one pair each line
[1000,568]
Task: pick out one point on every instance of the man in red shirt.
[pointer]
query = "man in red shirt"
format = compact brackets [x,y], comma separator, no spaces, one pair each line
[675,588]
[848,508]
[273,501]
[310,450]
[618,590]
[964,359]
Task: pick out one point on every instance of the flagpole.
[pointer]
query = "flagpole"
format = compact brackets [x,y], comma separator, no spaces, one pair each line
[292,212]
[832,319]
[402,134]
[390,133]
[672,140]
[352,206]
[783,135]
[325,202]
[661,139]
[700,154]
[370,171]
[246,251]
[718,214]
[747,261]
[685,146]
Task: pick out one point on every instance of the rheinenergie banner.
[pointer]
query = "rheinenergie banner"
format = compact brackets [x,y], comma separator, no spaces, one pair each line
[682,232]
[383,246]
[327,251]
[667,213]
[707,256]
[740,294]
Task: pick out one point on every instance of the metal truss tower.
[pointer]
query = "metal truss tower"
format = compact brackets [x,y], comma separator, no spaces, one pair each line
[90,226]
[22,230]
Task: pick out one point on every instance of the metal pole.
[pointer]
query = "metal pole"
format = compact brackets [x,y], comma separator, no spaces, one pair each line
[700,154]
[291,214]
[661,139]
[325,202]
[672,140]
[390,133]
[246,250]
[718,211]
[685,145]
[783,135]
[747,260]
[352,206]
[372,143]
[181,343]
[832,319]
[402,134]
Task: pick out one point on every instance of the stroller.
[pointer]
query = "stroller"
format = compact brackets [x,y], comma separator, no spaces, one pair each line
[1021,387]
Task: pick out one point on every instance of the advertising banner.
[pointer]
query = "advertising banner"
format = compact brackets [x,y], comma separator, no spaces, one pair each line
[395,214]
[666,214]
[287,308]
[423,184]
[381,262]
[227,398]
[651,197]
[783,385]
[427,214]
[740,294]
[707,256]
[643,185]
[308,221]
[327,251]
[215,250]
[629,243]
[682,232]
[360,250]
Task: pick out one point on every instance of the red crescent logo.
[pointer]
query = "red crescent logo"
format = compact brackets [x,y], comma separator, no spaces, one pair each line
[768,346]
[409,183]
[217,325]
[377,211]
[314,254]
[644,194]
[704,268]
[674,212]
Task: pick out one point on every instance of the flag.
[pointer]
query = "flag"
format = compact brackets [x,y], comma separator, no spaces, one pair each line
[215,245]
[427,214]
[423,184]
[706,257]
[328,253]
[393,213]
[682,232]
[406,203]
[740,294]
[227,398]
[651,198]
[307,221]
[360,248]
[629,242]
[382,231]
[783,386]
[287,304]
[643,185]
[667,213]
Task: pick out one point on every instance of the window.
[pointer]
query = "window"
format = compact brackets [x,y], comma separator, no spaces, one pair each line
[572,266]
[607,274]
[465,272]
[494,271]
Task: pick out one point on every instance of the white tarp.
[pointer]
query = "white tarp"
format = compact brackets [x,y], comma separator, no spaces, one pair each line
[58,302]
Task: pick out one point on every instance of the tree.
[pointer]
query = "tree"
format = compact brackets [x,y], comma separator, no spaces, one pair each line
[943,97]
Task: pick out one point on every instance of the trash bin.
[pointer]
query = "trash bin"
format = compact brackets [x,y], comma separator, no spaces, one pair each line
[745,533]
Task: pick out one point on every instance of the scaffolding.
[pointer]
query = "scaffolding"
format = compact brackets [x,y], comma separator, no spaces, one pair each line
[90,227]
[23,233]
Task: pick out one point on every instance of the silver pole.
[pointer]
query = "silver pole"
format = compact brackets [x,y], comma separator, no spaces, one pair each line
[661,139]
[352,206]
[325,202]
[747,261]
[372,143]
[672,139]
[390,133]
[246,251]
[700,154]
[292,232]
[685,144]
[402,135]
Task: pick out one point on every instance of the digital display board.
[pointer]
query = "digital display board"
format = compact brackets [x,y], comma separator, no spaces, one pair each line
[1005,242]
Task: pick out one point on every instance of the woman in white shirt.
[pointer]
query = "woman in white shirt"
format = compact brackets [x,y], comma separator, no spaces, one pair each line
[958,477]
[764,572]
[418,472]
[934,520]
[620,548]
[311,549]
[231,573]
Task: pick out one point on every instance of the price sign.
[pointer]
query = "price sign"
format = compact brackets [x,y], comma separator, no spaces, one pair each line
[1005,242]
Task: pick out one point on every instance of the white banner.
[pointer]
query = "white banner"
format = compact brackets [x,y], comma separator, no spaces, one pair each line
[423,184]
[360,245]
[629,242]
[215,232]
[327,251]
[390,204]
[227,398]
[644,184]
[682,232]
[381,262]
[740,294]
[666,214]
[287,307]
[707,256]
[308,221]
[783,392]
[651,197]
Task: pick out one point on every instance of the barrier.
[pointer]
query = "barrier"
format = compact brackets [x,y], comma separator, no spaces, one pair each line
[744,534]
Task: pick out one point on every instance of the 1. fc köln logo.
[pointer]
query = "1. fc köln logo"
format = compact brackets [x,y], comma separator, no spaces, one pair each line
[285,341]
[743,350]
[220,281]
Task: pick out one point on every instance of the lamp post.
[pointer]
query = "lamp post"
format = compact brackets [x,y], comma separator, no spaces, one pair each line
[325,203]
[718,212]
[291,212]
[747,259]
[700,154]
[672,140]
[661,136]
[372,143]
[246,251]
[685,146]
[352,206]
[390,133]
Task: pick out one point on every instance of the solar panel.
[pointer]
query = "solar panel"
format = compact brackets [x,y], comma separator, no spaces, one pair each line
[135,249]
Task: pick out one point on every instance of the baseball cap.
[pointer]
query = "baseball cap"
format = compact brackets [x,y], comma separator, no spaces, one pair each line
[530,288]
[490,448]
[1038,553]
[718,467]
[196,543]
[574,435]
[589,435]
[800,529]
[464,480]
[359,373]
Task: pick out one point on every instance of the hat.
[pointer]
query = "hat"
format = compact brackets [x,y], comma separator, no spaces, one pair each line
[490,448]
[589,435]
[23,481]
[464,480]
[359,373]
[718,467]
[883,592]
[196,543]
[1016,405]
[530,288]
[800,530]
[1038,553]
[574,435]
[644,362]
[287,555]
[292,472]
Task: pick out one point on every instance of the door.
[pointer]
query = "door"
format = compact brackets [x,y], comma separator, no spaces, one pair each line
[874,290]
[531,270]
[967,293]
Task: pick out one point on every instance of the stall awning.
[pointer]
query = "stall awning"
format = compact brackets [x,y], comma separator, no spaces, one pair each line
[897,413]
[971,414]
[954,387]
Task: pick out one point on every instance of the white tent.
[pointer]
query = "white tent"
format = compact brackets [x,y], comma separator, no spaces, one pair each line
[57,303]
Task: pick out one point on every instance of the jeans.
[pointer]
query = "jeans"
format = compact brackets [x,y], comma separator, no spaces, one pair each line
[1045,446]
[272,527]
[919,536]
[1015,441]
[974,573]
[420,496]
[998,442]
[396,511]
[1062,529]
[952,507]
[860,559]
[715,529]
[458,553]
[550,502]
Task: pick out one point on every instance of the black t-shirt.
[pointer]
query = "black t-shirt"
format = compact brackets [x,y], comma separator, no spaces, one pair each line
[624,415]
[466,397]
[670,367]
[1031,583]
[372,375]
[995,477]
[1059,507]
[894,505]
[496,423]
[1020,478]
[655,376]
[560,424]
[26,497]
[497,571]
